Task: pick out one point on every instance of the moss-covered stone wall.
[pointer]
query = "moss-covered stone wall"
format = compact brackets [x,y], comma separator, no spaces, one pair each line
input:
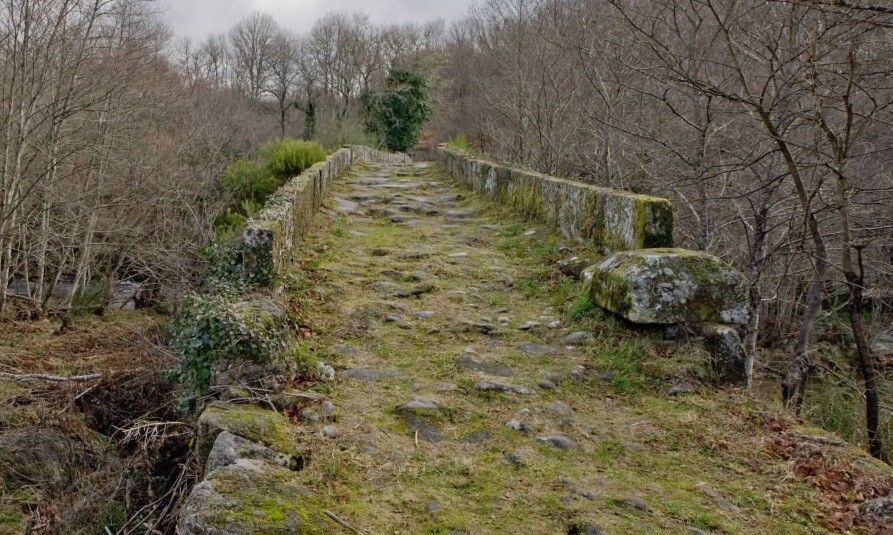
[610,219]
[272,236]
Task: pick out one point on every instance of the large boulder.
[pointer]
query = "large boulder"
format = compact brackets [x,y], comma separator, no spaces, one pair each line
[252,496]
[667,286]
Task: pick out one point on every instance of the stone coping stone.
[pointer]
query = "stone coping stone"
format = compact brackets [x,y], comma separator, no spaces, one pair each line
[262,426]
[667,286]
[611,219]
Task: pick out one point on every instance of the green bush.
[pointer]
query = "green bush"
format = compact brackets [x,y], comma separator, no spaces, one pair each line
[221,325]
[251,182]
[833,399]
[248,180]
[289,158]
[459,141]
[398,114]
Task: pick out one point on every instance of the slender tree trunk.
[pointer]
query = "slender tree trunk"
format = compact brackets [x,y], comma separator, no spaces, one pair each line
[865,363]
[754,272]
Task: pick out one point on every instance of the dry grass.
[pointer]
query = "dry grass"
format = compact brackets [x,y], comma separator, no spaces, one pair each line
[82,456]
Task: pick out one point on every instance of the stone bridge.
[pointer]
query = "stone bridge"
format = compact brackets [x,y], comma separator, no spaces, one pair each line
[469,336]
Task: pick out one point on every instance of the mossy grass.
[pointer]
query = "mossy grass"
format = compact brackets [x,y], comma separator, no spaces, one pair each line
[631,438]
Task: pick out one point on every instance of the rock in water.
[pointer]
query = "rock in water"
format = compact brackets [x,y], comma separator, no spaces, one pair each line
[665,286]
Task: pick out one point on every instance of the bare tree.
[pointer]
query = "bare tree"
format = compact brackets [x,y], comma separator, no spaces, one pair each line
[253,41]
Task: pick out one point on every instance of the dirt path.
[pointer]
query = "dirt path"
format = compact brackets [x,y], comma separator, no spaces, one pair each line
[470,399]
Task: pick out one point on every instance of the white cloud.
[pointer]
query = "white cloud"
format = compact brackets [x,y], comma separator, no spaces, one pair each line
[199,18]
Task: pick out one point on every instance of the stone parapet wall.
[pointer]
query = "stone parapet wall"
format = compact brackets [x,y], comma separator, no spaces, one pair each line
[273,234]
[609,219]
[644,280]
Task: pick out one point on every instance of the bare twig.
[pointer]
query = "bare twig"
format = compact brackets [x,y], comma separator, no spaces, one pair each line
[51,378]
[341,522]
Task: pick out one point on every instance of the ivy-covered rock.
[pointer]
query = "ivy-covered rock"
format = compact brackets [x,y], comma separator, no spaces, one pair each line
[666,286]
[227,326]
[243,263]
[252,496]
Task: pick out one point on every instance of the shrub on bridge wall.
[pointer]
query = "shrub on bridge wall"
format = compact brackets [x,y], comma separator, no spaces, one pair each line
[289,158]
[224,324]
[251,182]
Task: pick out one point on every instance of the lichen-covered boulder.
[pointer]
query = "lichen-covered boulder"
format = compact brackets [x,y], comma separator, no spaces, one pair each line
[666,286]
[262,426]
[252,496]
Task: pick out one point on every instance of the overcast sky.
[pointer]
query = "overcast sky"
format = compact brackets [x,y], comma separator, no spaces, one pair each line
[199,18]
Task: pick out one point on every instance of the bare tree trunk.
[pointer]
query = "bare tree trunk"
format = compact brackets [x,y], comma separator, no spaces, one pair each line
[754,274]
[865,362]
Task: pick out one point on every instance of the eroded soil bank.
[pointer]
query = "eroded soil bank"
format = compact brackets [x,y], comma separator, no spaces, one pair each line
[93,456]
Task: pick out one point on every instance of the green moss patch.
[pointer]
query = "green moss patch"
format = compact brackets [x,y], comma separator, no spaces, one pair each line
[254,497]
[256,424]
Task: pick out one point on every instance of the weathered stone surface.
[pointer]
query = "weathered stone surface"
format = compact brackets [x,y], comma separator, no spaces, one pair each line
[880,509]
[612,219]
[419,406]
[229,447]
[578,338]
[537,349]
[369,374]
[663,286]
[259,425]
[726,352]
[272,236]
[558,441]
[490,368]
[493,386]
[251,496]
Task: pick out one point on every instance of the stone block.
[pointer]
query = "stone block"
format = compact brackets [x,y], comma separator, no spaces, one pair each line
[252,496]
[726,351]
[666,286]
[256,424]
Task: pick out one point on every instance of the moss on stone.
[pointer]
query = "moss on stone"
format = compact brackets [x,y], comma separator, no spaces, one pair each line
[253,496]
[670,286]
[256,424]
[612,219]
[656,220]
